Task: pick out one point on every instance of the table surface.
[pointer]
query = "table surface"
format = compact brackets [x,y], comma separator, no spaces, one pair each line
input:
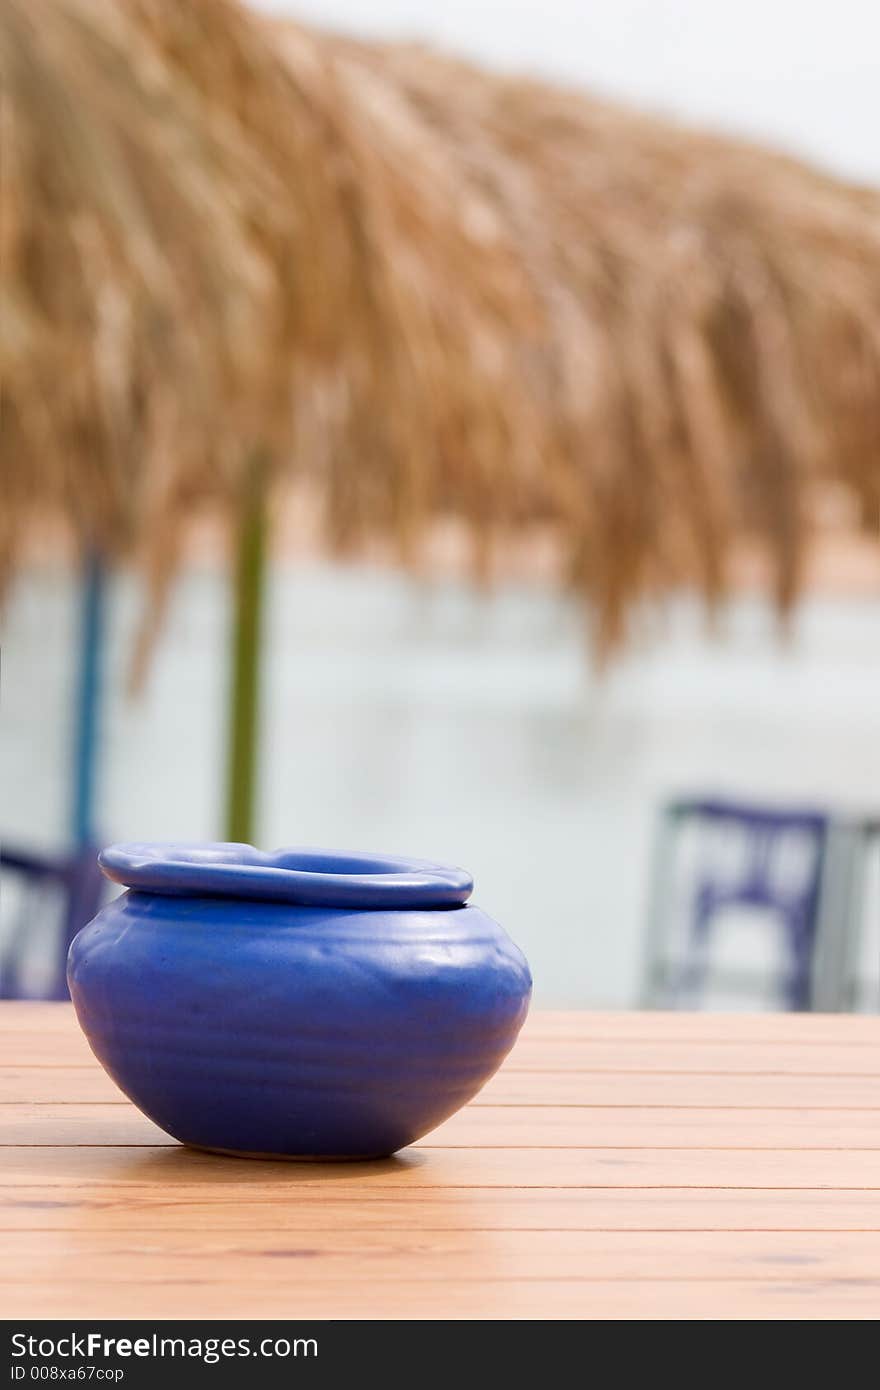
[619,1166]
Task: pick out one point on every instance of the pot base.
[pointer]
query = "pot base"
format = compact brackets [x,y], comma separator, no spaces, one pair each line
[286,1158]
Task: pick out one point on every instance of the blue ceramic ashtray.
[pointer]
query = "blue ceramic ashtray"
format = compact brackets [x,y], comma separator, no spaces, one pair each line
[302,1004]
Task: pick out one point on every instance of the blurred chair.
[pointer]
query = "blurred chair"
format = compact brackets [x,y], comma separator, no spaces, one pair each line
[770,859]
[839,987]
[52,896]
[73,886]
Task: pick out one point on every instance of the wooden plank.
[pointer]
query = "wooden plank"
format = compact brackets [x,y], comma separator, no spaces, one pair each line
[631,1026]
[707,1058]
[39,1047]
[57,1086]
[83,1085]
[502,1126]
[319,1208]
[656,1127]
[428,1168]
[268,1257]
[458,1297]
[662,1089]
[809,1030]
[33,1049]
[619,1166]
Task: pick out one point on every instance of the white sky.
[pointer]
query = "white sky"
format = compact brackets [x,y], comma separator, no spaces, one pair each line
[804,74]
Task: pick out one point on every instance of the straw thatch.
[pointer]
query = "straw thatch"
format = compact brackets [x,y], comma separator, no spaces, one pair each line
[467,296]
[655,341]
[141,352]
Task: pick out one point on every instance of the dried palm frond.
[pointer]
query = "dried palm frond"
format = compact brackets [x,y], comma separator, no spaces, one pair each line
[655,340]
[432,292]
[135,359]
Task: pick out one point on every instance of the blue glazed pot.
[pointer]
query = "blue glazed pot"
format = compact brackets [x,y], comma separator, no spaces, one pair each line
[302,1003]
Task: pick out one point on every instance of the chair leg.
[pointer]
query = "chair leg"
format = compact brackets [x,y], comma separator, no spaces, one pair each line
[85,889]
[693,972]
[837,917]
[654,990]
[800,940]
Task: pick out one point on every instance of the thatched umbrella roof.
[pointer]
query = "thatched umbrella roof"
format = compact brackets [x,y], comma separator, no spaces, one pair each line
[142,349]
[655,341]
[476,297]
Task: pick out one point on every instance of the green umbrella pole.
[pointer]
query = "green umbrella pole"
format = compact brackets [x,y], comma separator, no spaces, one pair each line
[244,708]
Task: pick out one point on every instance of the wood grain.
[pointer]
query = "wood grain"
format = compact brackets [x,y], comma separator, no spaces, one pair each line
[427,1168]
[809,1029]
[713,1057]
[461,1297]
[58,1086]
[259,1257]
[619,1166]
[489,1209]
[503,1126]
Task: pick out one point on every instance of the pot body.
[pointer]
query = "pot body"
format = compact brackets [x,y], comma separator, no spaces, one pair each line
[270,1028]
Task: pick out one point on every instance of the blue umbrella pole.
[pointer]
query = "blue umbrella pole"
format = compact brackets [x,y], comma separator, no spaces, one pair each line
[88,699]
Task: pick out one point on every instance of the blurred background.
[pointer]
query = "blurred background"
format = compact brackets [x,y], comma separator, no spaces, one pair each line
[402,456]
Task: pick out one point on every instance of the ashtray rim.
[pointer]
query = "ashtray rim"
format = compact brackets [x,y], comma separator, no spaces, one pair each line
[301,875]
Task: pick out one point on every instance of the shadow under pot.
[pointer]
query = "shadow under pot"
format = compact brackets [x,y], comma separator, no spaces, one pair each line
[302,1004]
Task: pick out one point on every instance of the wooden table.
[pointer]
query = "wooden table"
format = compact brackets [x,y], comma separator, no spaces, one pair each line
[620,1165]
